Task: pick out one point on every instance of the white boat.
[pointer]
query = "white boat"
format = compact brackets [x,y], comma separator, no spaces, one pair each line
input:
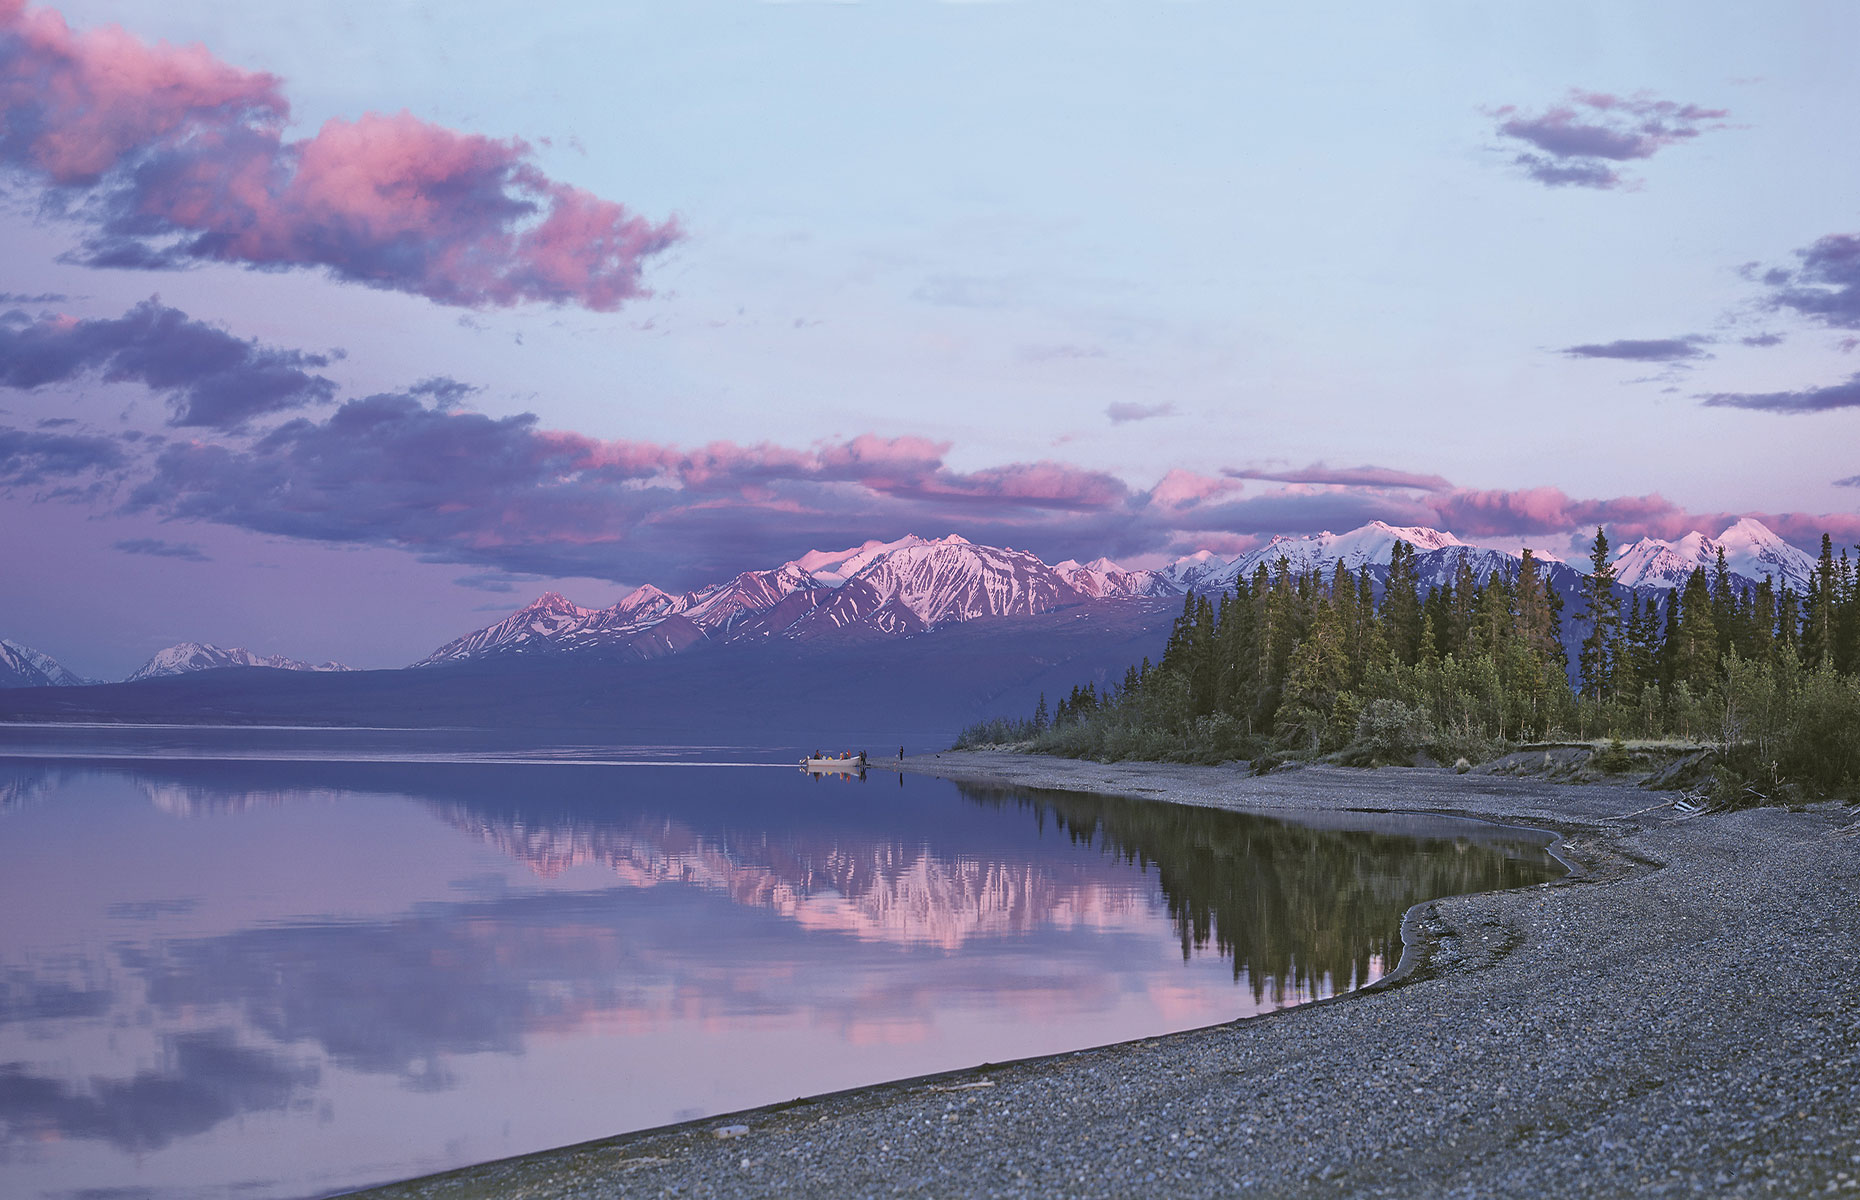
[851,762]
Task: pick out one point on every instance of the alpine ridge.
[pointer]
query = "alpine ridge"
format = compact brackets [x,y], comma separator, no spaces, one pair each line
[913,585]
[22,666]
[1751,552]
[185,657]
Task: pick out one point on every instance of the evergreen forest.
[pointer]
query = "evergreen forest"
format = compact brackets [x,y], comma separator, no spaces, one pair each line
[1299,665]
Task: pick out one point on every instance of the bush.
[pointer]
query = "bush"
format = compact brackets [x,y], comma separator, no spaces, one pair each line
[1390,731]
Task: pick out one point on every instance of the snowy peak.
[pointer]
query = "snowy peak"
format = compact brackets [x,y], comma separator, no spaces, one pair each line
[836,567]
[1194,572]
[1373,544]
[22,666]
[913,584]
[1101,577]
[187,657]
[1751,550]
[752,591]
[952,579]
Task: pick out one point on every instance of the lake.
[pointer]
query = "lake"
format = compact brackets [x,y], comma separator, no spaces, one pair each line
[290,963]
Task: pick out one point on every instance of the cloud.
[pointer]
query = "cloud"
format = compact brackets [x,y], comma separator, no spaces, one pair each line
[1826,287]
[1762,339]
[1572,144]
[1850,481]
[1497,511]
[395,469]
[1122,411]
[1364,476]
[417,470]
[1652,350]
[209,377]
[29,457]
[173,158]
[1809,400]
[161,549]
[38,298]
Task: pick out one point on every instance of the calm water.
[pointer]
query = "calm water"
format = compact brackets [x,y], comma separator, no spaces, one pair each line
[251,977]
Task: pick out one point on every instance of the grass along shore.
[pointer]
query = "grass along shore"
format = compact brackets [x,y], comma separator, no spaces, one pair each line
[1678,1018]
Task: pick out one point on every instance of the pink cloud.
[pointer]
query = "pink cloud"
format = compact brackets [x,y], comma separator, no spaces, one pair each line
[1179,488]
[177,158]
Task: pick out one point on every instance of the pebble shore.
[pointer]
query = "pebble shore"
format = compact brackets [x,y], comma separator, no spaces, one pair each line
[1680,1017]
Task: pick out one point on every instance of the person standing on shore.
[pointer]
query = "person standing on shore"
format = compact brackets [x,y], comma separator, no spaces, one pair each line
[900,753]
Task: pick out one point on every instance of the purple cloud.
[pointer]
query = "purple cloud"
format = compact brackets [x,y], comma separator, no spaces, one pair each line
[1650,350]
[209,377]
[1826,286]
[29,458]
[1762,339]
[1850,481]
[1573,143]
[457,486]
[176,158]
[1122,411]
[160,549]
[1808,400]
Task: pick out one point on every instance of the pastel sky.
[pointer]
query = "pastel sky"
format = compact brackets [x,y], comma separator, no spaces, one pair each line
[334,330]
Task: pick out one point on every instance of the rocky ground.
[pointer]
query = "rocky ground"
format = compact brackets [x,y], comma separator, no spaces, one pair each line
[1680,1017]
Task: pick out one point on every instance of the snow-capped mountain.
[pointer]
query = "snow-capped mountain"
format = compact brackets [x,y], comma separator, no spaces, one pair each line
[1371,545]
[1101,577]
[915,584]
[1751,550]
[1204,570]
[187,657]
[893,588]
[22,666]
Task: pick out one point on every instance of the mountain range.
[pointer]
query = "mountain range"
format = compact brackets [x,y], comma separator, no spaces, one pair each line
[852,602]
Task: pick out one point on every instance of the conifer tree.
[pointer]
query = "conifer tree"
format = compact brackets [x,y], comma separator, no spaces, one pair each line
[1695,650]
[1401,606]
[1818,610]
[1602,611]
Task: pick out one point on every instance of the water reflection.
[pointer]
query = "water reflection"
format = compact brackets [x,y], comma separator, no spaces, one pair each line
[202,1080]
[358,971]
[1291,904]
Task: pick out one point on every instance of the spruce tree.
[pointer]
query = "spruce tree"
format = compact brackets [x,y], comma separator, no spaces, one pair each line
[1818,610]
[1695,649]
[1602,611]
[1401,606]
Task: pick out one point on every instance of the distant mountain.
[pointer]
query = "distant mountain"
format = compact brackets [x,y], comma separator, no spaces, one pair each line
[1751,551]
[187,657]
[881,589]
[915,585]
[22,666]
[904,634]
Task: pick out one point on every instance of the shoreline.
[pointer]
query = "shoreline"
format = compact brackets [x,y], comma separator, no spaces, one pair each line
[1679,1018]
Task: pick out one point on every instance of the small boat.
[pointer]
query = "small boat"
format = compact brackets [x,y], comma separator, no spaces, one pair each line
[835,762]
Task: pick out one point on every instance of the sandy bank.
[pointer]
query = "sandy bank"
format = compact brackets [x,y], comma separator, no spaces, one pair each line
[1683,1017]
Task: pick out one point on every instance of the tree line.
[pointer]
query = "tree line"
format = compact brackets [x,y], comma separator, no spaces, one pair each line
[1291,662]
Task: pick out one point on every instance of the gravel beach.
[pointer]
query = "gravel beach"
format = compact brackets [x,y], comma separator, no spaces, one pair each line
[1680,1017]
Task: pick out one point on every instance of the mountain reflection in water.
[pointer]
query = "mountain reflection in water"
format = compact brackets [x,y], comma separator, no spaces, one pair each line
[289,978]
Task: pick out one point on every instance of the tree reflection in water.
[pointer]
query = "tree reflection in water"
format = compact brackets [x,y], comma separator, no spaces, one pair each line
[1291,905]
